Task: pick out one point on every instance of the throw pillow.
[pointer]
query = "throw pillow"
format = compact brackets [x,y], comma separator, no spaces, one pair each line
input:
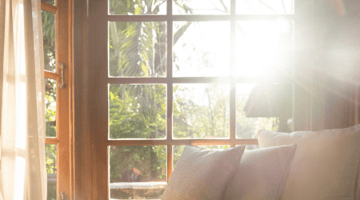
[261,174]
[202,173]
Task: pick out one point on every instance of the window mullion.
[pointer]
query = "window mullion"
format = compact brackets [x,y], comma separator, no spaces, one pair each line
[169,97]
[232,72]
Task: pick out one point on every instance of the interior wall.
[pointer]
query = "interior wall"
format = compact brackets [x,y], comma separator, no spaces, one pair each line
[336,67]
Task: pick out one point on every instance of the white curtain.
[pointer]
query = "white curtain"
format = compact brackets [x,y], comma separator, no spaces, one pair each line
[22,119]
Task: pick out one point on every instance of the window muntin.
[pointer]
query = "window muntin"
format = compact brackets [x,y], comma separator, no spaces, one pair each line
[137,7]
[262,7]
[201,7]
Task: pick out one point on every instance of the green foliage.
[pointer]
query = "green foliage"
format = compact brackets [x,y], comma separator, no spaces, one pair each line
[50,107]
[51,2]
[48,25]
[137,111]
[201,111]
[137,49]
[50,151]
[149,160]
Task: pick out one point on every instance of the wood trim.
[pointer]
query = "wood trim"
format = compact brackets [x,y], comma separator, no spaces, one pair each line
[170,90]
[51,75]
[49,140]
[63,98]
[197,17]
[83,167]
[183,142]
[98,30]
[71,99]
[199,80]
[233,71]
[48,7]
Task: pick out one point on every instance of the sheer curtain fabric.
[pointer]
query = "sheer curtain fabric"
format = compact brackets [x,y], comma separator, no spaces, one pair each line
[22,119]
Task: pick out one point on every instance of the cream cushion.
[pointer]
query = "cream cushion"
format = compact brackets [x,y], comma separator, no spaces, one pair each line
[261,174]
[325,162]
[202,173]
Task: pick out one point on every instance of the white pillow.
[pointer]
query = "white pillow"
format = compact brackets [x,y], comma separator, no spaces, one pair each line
[202,173]
[261,174]
[324,165]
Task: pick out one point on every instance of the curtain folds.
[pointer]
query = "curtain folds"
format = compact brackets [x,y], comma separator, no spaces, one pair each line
[22,118]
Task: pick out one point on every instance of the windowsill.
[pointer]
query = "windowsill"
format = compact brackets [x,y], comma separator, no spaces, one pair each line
[138,185]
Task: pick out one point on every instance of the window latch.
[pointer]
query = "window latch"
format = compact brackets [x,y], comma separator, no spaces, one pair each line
[62,67]
[63,196]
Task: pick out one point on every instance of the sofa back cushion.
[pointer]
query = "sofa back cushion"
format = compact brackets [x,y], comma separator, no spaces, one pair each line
[325,163]
[261,174]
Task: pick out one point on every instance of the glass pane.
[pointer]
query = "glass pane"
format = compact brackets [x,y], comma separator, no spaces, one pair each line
[138,7]
[51,2]
[48,25]
[262,107]
[137,172]
[201,49]
[51,169]
[201,111]
[50,107]
[137,49]
[208,7]
[265,7]
[264,48]
[177,150]
[137,111]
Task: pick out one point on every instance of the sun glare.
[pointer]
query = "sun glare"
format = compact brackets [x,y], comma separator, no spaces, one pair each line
[263,48]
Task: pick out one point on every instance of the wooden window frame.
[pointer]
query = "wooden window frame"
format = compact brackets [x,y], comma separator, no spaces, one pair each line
[64,117]
[89,164]
[98,80]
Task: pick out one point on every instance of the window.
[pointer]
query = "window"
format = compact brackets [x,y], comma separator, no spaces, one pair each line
[57,91]
[171,73]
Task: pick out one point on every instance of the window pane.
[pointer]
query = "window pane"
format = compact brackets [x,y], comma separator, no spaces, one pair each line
[178,149]
[137,172]
[265,7]
[137,49]
[48,25]
[137,111]
[201,49]
[201,7]
[201,111]
[262,107]
[51,2]
[50,107]
[51,169]
[264,48]
[138,7]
